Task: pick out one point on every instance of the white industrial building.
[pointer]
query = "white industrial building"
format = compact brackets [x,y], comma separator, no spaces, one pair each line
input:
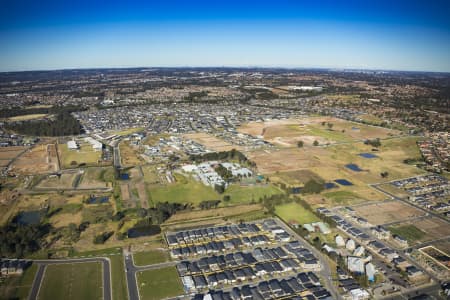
[350,245]
[340,242]
[72,145]
[96,145]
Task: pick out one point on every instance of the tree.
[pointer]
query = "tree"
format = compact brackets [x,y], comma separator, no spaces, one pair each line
[330,125]
[219,188]
[316,143]
[300,144]
[312,187]
[226,198]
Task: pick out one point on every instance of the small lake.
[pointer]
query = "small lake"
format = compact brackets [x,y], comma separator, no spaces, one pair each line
[31,217]
[136,232]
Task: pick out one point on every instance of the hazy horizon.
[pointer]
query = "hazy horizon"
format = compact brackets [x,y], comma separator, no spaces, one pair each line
[401,36]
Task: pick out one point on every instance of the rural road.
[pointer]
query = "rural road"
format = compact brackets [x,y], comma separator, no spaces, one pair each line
[42,264]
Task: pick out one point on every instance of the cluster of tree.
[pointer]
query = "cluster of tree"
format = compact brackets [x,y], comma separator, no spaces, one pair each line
[220,188]
[161,212]
[222,155]
[223,172]
[313,187]
[315,143]
[384,174]
[19,111]
[17,240]
[374,143]
[103,237]
[329,125]
[195,95]
[72,232]
[300,144]
[63,124]
[208,204]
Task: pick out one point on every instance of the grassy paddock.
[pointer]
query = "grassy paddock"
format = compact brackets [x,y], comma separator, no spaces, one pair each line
[159,283]
[72,281]
[295,212]
[150,257]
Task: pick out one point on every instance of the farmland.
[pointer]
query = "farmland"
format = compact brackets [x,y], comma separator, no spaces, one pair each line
[40,159]
[159,284]
[72,281]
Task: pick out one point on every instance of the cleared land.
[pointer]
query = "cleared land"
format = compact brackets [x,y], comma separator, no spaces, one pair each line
[129,155]
[209,141]
[94,178]
[392,211]
[209,216]
[37,160]
[295,212]
[85,155]
[286,133]
[150,257]
[72,281]
[65,181]
[295,178]
[159,284]
[429,229]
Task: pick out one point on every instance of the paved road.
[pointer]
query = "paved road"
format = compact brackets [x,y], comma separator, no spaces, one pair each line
[130,269]
[42,264]
[37,282]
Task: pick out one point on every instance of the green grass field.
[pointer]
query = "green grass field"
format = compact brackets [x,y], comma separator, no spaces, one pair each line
[341,197]
[246,194]
[186,190]
[150,257]
[410,232]
[84,155]
[159,284]
[295,212]
[72,281]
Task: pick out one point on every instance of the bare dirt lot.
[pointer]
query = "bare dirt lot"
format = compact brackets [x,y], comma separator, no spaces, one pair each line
[125,193]
[140,186]
[40,159]
[209,141]
[392,211]
[433,227]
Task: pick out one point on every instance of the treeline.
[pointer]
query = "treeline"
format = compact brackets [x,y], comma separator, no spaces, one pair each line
[63,124]
[18,111]
[17,240]
[222,155]
[161,212]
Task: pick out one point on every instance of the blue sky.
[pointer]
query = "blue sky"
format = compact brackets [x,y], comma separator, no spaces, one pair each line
[404,35]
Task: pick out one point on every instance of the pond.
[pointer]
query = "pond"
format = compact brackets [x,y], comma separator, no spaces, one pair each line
[31,217]
[353,167]
[143,231]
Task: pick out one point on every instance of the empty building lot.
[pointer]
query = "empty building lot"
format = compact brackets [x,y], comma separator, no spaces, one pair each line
[258,260]
[387,212]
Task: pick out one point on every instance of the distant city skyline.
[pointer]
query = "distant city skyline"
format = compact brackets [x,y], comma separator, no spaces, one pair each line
[46,35]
